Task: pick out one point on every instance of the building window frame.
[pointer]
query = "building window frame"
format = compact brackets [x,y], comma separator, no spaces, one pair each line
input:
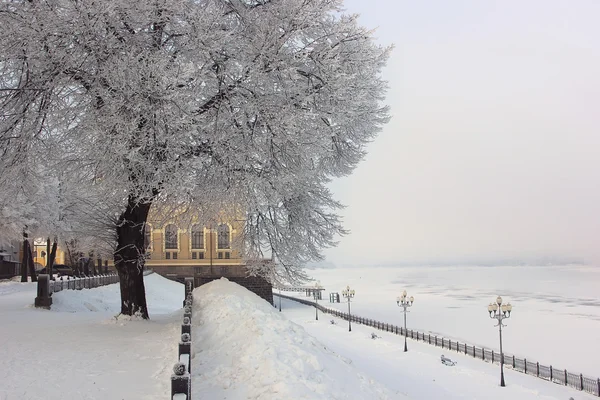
[148,235]
[177,237]
[221,244]
[202,232]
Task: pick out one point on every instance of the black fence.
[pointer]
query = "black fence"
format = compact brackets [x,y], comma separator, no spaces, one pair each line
[78,283]
[8,269]
[181,380]
[549,373]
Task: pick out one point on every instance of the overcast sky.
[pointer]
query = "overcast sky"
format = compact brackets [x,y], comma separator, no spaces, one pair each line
[493,151]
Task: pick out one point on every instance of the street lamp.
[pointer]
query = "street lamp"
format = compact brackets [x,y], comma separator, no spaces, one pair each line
[316,292]
[347,293]
[500,311]
[405,302]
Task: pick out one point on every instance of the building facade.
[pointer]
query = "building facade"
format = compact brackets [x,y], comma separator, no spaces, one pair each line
[206,252]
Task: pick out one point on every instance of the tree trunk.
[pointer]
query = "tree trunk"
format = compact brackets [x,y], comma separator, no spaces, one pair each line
[52,255]
[129,257]
[24,260]
[31,264]
[86,267]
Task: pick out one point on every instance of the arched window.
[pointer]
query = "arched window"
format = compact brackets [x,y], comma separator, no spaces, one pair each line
[147,236]
[197,237]
[171,237]
[223,236]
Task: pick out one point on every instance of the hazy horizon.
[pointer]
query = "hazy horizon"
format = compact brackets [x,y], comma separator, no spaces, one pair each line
[491,153]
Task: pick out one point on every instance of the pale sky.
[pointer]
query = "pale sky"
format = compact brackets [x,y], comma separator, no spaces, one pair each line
[493,150]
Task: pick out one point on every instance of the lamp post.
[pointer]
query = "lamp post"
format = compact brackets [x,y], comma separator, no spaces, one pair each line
[405,302]
[347,293]
[316,292]
[500,311]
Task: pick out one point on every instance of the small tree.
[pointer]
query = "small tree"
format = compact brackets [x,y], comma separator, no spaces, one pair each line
[262,100]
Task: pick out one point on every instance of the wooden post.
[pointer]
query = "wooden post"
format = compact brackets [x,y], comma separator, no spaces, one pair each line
[580,381]
[525,363]
[551,373]
[566,377]
[538,368]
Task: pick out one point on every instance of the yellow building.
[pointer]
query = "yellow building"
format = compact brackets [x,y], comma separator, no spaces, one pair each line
[193,249]
[40,256]
[177,248]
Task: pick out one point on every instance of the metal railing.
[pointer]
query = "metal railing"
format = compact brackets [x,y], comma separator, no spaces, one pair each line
[549,373]
[78,283]
[181,380]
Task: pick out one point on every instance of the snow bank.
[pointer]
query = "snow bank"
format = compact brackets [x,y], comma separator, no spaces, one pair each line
[162,295]
[245,349]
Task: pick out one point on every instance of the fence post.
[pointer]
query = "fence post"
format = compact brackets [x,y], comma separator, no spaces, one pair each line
[580,381]
[429,334]
[525,363]
[43,298]
[566,377]
[537,364]
[492,356]
[180,381]
[551,373]
[598,386]
[514,364]
[483,353]
[465,348]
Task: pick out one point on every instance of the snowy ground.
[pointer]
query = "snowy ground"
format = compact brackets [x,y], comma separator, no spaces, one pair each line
[418,373]
[79,350]
[556,310]
[243,349]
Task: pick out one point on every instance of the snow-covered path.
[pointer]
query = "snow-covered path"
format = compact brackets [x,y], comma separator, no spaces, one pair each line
[79,350]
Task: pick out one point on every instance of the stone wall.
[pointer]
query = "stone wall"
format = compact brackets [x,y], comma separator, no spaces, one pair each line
[255,284]
[235,273]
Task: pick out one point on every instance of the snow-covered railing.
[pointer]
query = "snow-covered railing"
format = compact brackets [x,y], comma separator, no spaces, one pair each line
[558,376]
[45,286]
[86,282]
[181,380]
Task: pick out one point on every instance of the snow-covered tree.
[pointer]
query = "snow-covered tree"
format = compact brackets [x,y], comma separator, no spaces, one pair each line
[261,100]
